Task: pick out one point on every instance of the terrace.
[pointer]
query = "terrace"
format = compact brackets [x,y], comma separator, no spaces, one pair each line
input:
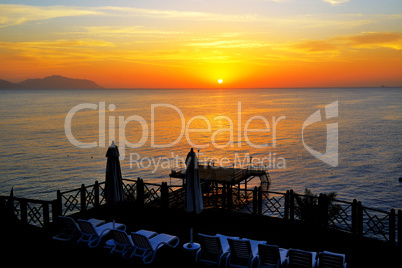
[365,235]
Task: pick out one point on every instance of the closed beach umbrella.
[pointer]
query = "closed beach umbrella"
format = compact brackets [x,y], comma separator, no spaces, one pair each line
[113,183]
[193,196]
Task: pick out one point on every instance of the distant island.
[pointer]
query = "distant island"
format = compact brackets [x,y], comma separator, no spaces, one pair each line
[50,82]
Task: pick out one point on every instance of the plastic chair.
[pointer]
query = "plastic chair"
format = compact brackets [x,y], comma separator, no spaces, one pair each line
[301,258]
[213,248]
[146,248]
[70,228]
[243,252]
[122,243]
[93,234]
[271,256]
[329,259]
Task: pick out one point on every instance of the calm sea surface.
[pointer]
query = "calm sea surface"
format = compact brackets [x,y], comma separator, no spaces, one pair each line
[155,129]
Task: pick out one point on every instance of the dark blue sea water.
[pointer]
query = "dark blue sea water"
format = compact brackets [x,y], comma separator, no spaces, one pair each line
[57,139]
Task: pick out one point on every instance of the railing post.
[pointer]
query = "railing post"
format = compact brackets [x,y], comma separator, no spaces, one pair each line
[359,219]
[259,200]
[96,193]
[58,205]
[10,208]
[291,205]
[286,216]
[392,230]
[164,196]
[255,200]
[323,209]
[223,196]
[354,217]
[229,197]
[83,198]
[140,192]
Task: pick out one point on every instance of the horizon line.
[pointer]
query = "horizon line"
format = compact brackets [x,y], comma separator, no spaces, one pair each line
[204,88]
[316,87]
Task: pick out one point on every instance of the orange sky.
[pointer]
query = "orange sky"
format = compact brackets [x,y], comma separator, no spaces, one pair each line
[192,44]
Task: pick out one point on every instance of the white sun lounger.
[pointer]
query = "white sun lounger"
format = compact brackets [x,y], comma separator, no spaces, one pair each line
[271,256]
[146,248]
[301,258]
[70,228]
[122,243]
[93,234]
[243,252]
[213,248]
[329,259]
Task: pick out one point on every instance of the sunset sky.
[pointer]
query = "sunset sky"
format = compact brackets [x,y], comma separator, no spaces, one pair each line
[193,43]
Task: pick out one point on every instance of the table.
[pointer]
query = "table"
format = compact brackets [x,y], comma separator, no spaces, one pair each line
[191,251]
[191,246]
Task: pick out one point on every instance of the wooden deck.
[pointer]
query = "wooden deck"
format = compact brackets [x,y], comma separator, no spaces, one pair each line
[223,175]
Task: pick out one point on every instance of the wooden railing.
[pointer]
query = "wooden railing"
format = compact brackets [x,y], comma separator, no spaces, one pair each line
[351,217]
[346,216]
[30,211]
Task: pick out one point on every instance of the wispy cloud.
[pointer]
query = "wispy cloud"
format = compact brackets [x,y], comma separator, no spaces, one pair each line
[18,14]
[336,2]
[366,40]
[178,15]
[228,44]
[317,45]
[375,39]
[62,51]
[127,31]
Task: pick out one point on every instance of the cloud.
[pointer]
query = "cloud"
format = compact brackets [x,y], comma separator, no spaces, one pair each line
[178,15]
[61,51]
[375,39]
[336,2]
[57,44]
[126,31]
[229,44]
[18,14]
[317,45]
[367,40]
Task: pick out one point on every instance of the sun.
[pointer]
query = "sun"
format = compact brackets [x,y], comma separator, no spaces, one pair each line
[220,81]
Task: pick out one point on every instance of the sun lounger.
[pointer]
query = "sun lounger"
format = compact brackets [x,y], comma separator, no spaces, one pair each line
[70,228]
[93,234]
[243,252]
[146,248]
[122,243]
[271,256]
[301,258]
[213,248]
[328,259]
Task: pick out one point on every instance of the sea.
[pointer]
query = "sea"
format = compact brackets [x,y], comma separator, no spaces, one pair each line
[343,140]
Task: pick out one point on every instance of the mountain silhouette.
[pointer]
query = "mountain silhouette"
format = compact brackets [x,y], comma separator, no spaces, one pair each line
[8,85]
[50,82]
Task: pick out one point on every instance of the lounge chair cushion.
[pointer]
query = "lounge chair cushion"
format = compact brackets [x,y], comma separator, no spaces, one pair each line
[224,241]
[254,245]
